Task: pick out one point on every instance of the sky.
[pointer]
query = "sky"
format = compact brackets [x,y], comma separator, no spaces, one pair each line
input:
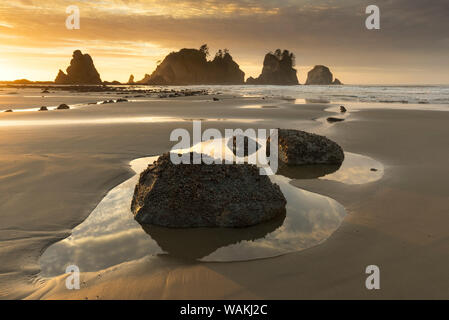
[130,36]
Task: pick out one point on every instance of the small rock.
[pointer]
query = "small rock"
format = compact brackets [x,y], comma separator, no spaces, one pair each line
[122,100]
[43,108]
[333,119]
[9,110]
[63,107]
[374,169]
[343,109]
[216,99]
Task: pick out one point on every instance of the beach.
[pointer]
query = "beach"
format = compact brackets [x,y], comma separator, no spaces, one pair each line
[56,166]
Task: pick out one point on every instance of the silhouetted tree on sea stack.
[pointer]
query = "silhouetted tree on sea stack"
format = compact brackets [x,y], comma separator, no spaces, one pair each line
[190,66]
[277,69]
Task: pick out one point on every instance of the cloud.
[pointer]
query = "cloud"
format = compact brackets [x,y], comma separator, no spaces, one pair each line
[329,32]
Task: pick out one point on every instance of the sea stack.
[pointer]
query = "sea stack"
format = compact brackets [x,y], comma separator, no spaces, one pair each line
[190,66]
[80,71]
[277,69]
[321,75]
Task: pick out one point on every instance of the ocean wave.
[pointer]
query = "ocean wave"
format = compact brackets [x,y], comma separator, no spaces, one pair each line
[380,94]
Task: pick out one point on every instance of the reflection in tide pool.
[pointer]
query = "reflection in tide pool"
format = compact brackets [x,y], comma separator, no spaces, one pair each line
[357,169]
[107,237]
[110,235]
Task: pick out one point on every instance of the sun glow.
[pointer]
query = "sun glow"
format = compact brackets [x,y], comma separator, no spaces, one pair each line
[11,69]
[7,71]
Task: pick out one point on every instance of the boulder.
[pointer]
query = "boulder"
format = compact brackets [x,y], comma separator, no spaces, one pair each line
[196,243]
[63,107]
[334,119]
[321,75]
[303,148]
[80,71]
[240,145]
[277,70]
[205,195]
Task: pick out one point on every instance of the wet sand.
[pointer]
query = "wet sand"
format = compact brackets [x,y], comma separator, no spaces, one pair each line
[52,177]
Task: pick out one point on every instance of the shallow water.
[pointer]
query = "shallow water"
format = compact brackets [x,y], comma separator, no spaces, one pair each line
[108,120]
[110,235]
[381,94]
[358,106]
[259,106]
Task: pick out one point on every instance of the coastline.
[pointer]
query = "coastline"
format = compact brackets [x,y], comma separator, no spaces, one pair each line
[384,224]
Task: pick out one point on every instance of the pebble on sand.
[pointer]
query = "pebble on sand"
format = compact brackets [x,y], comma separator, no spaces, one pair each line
[333,119]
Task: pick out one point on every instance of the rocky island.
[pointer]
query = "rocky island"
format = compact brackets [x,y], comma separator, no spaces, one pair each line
[80,71]
[321,75]
[277,69]
[190,66]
